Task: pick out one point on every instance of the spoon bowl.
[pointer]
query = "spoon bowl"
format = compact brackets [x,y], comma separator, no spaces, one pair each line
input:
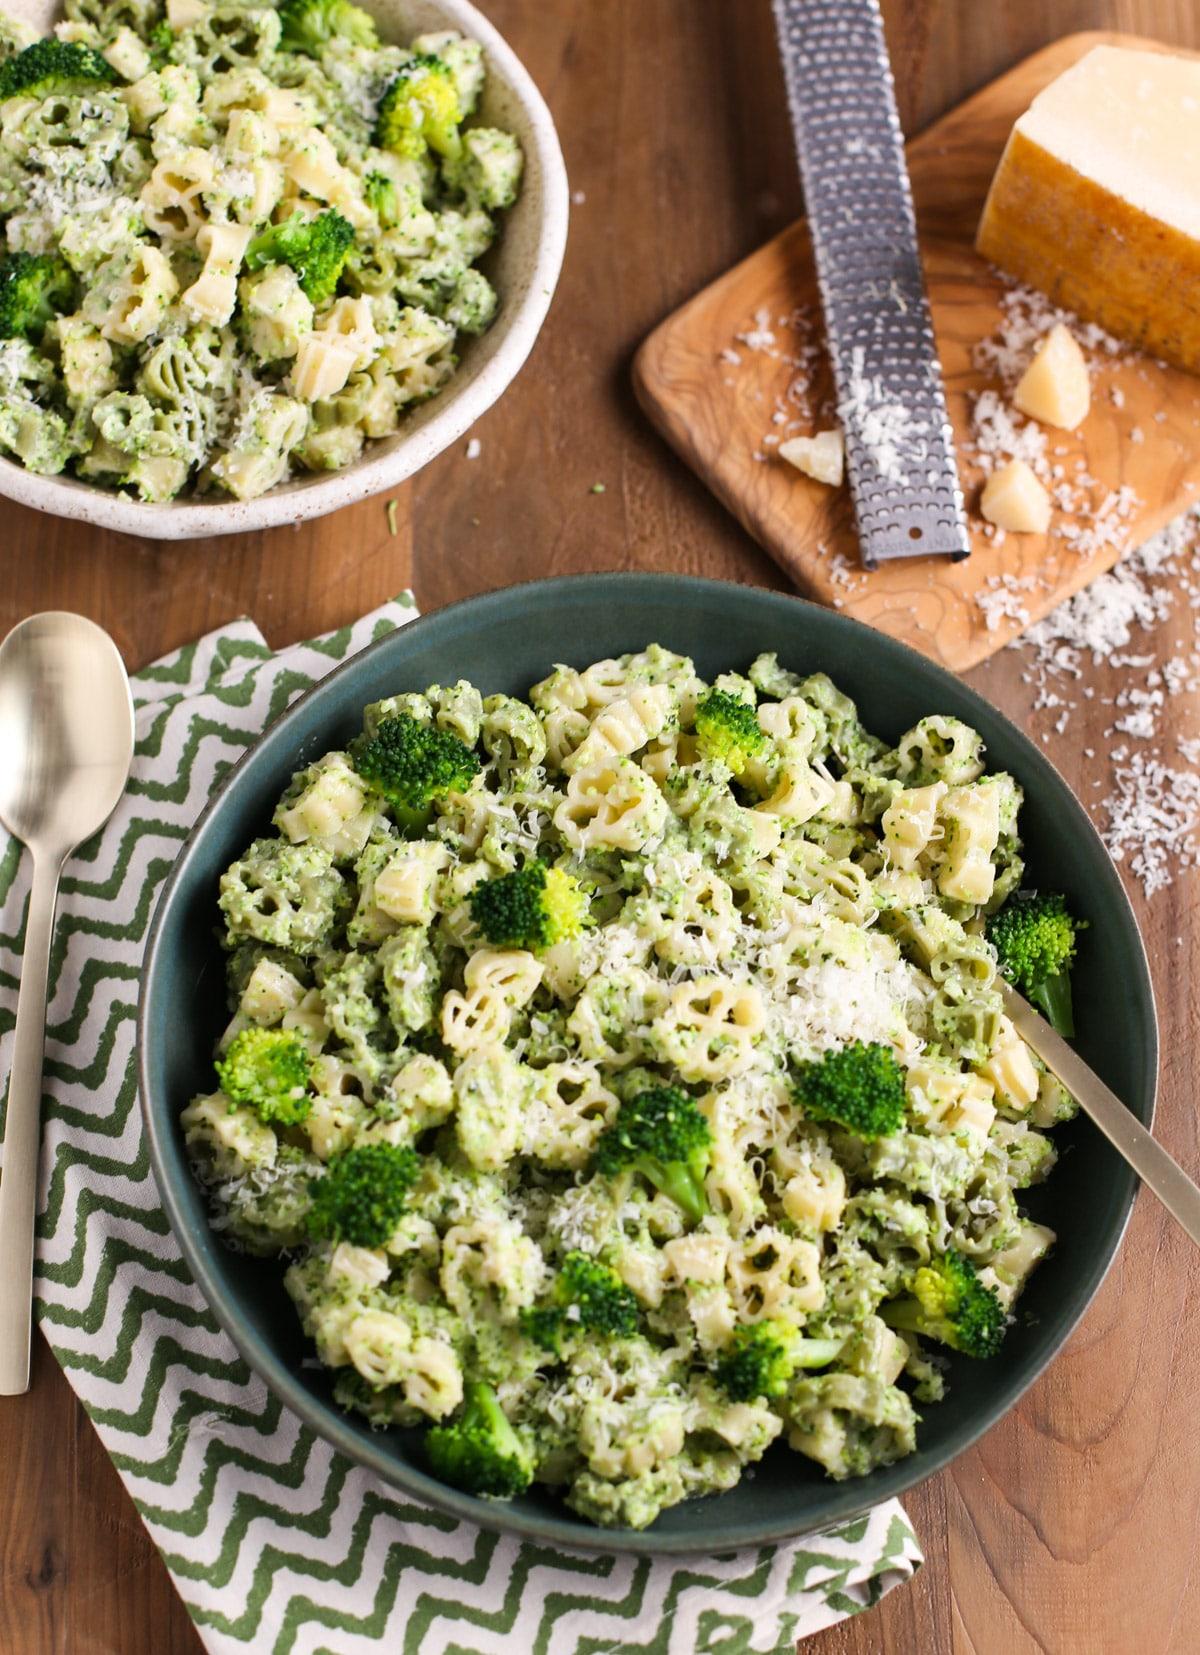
[66,744]
[66,718]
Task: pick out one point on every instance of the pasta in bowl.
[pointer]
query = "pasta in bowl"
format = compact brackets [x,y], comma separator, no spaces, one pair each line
[628,1096]
[628,1057]
[260,261]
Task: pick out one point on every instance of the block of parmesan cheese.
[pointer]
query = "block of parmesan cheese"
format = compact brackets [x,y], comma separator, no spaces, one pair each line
[1096,200]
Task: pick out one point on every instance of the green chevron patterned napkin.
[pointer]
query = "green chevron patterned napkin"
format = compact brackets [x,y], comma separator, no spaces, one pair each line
[275,1542]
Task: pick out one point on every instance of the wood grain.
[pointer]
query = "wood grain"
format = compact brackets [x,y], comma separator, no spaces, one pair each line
[1072,1528]
[715,397]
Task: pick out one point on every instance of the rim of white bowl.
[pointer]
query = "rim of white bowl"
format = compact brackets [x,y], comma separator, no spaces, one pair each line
[451,414]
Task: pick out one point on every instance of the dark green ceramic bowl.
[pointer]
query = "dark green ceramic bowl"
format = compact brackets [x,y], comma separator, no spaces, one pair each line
[506,641]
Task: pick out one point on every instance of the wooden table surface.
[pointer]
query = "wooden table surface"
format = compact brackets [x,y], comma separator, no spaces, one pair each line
[1072,1527]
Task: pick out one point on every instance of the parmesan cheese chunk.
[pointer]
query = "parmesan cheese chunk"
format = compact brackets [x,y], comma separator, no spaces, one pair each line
[1014,499]
[1097,198]
[820,456]
[1055,387]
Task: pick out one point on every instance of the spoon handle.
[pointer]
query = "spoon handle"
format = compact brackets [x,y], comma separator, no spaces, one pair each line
[22,1135]
[1159,1171]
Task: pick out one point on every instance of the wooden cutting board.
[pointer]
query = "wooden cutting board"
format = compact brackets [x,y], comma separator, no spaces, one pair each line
[742,365]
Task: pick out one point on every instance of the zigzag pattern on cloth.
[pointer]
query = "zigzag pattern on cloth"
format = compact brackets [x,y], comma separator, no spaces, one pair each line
[275,1542]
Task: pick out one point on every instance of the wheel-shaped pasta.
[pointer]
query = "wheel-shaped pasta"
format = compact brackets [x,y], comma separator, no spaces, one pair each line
[624,725]
[732,1187]
[271,991]
[612,805]
[946,1100]
[909,823]
[703,926]
[336,1117]
[611,1021]
[492,1261]
[940,748]
[708,1029]
[404,889]
[131,295]
[489,1097]
[800,793]
[602,682]
[793,724]
[970,819]
[212,297]
[842,887]
[172,198]
[814,1197]
[475,1022]
[565,728]
[511,975]
[378,1345]
[563,688]
[1010,1069]
[569,1107]
[331,810]
[228,1140]
[432,1380]
[771,1273]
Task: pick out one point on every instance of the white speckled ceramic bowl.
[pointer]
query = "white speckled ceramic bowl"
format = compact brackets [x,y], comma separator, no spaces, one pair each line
[524,265]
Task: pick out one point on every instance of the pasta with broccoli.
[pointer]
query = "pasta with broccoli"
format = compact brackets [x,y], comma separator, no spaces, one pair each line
[240,239]
[631,1090]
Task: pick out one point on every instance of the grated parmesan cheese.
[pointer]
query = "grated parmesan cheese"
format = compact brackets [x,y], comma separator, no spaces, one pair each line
[886,429]
[1149,816]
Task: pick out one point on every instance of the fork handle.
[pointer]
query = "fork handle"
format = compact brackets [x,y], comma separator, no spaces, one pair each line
[22,1134]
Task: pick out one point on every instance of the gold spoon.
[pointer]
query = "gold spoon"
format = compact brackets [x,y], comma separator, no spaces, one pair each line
[66,744]
[1160,1172]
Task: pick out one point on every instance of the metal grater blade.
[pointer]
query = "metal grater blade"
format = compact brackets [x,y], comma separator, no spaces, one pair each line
[891,403]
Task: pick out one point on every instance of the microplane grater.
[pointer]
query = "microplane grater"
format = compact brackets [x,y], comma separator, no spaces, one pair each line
[891,403]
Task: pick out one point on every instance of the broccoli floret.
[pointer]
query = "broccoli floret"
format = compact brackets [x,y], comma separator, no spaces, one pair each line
[948,1302]
[587,1297]
[661,1134]
[161,42]
[543,1325]
[363,1194]
[1034,936]
[591,1295]
[309,25]
[50,66]
[421,109]
[33,288]
[535,907]
[412,764]
[479,1451]
[760,1359]
[382,198]
[315,248]
[268,1070]
[727,729]
[860,1087]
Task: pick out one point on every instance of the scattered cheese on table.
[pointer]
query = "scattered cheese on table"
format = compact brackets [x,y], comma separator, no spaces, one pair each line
[1014,499]
[1054,387]
[821,456]
[1097,198]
